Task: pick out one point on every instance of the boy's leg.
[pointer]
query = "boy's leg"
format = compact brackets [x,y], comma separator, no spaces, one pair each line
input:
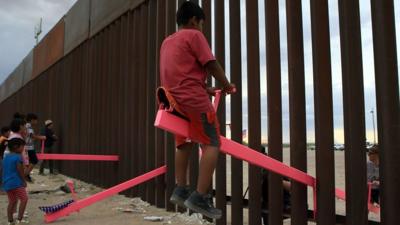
[205,129]
[50,163]
[42,166]
[182,156]
[207,166]
[198,200]
[181,191]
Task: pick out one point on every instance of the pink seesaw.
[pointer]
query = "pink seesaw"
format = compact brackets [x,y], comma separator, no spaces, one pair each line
[75,157]
[176,125]
[80,204]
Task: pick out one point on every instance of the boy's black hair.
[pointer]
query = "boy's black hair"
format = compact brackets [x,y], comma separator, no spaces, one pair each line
[5,130]
[15,143]
[31,116]
[16,124]
[187,10]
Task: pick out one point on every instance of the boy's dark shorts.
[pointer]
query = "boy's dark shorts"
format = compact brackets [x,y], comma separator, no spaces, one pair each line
[203,129]
[33,159]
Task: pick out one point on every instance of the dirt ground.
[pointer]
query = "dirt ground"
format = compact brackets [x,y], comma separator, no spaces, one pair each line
[115,210]
[111,211]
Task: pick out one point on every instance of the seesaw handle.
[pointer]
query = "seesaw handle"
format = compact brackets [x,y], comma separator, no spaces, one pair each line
[216,99]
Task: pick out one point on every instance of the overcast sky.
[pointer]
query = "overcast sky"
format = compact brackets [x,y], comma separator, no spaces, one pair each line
[19,17]
[17,21]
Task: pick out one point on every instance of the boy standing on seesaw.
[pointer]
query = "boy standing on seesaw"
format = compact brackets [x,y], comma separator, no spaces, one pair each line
[185,62]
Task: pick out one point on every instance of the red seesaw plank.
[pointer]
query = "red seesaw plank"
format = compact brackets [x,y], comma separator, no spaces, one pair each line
[46,156]
[76,206]
[176,125]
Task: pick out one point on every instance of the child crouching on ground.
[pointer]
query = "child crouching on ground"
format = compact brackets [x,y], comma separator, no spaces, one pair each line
[13,180]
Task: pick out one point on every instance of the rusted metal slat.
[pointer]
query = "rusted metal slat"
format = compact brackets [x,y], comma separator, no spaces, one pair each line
[254,111]
[151,101]
[94,103]
[325,173]
[220,172]
[85,103]
[236,111]
[353,107]
[388,106]
[131,111]
[122,89]
[115,132]
[165,184]
[142,76]
[135,99]
[274,97]
[298,135]
[103,95]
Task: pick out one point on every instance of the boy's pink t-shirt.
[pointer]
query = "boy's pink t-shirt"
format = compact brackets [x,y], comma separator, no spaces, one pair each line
[183,56]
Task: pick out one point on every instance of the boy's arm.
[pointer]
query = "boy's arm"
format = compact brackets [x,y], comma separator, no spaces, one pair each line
[21,172]
[38,137]
[215,69]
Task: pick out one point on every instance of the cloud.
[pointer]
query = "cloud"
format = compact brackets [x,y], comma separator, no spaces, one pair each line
[368,66]
[17,21]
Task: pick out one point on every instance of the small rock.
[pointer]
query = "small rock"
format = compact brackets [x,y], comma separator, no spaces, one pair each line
[153,218]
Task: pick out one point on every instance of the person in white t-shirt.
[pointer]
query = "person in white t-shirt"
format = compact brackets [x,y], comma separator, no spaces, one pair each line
[31,120]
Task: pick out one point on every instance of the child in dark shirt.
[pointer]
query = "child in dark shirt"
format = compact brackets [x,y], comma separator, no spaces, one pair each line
[48,145]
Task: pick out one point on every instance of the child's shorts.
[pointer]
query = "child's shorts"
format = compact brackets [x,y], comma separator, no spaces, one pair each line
[17,194]
[33,159]
[203,129]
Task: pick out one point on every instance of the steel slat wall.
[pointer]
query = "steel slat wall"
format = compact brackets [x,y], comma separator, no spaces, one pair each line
[274,98]
[297,105]
[354,121]
[323,111]
[388,105]
[220,172]
[236,112]
[151,105]
[254,109]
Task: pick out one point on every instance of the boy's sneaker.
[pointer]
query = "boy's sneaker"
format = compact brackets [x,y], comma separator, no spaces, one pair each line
[179,195]
[201,204]
[11,223]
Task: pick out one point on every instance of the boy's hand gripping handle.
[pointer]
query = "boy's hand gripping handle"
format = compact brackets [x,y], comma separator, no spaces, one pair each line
[218,97]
